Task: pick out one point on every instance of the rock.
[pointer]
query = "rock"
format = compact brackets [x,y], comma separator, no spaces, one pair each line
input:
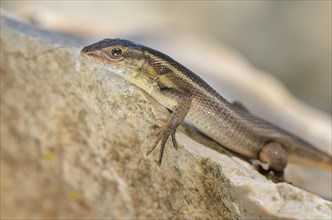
[74,142]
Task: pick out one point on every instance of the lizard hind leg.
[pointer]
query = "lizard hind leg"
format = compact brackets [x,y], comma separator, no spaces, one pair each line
[274,155]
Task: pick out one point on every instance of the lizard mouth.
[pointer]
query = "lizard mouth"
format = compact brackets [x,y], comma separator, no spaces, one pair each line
[92,54]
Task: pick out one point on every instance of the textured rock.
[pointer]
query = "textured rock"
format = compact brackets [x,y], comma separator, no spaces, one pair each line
[73,140]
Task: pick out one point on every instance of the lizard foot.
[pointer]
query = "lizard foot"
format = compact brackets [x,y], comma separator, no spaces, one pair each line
[162,135]
[158,126]
[274,175]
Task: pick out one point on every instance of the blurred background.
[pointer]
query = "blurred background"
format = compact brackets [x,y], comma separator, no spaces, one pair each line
[290,39]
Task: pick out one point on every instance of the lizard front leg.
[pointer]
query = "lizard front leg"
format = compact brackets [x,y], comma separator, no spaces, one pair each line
[169,128]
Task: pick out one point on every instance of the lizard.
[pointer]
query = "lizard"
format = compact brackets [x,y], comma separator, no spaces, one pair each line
[190,98]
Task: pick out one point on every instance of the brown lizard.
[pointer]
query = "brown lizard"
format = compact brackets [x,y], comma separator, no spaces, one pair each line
[190,98]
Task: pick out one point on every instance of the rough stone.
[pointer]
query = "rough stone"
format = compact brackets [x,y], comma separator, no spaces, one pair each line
[73,143]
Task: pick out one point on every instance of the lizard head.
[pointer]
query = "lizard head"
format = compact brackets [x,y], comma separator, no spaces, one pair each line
[119,55]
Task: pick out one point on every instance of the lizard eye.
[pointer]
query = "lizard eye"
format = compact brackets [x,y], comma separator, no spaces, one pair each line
[116,52]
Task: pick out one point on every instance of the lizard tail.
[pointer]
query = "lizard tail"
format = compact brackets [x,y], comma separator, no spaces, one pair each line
[320,161]
[301,152]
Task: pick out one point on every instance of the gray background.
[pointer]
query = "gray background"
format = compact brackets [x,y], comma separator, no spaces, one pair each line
[290,39]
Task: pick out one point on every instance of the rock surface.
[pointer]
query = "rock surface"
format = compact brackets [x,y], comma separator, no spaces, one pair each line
[73,143]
